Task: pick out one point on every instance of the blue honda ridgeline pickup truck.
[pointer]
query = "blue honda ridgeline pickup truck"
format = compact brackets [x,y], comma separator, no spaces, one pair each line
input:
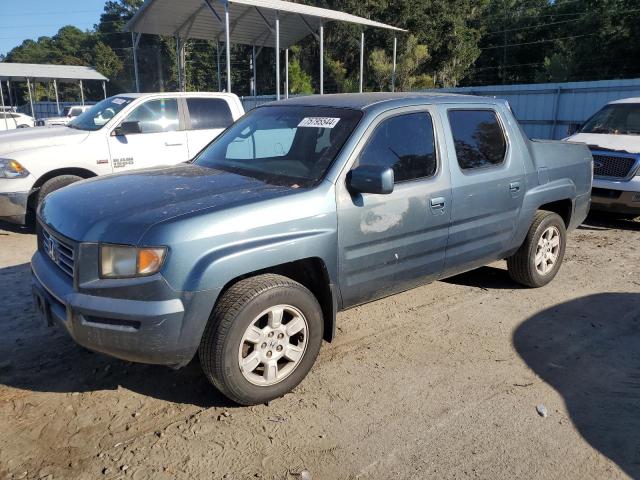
[300,209]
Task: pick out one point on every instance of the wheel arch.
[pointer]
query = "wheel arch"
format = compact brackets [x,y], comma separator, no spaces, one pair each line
[79,172]
[312,273]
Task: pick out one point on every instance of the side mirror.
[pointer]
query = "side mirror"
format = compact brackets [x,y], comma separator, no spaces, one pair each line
[127,128]
[573,128]
[371,179]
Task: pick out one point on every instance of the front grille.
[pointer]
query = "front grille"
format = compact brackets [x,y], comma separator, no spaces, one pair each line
[612,166]
[58,251]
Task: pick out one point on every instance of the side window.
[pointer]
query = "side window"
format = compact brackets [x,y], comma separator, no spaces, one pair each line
[405,143]
[478,138]
[156,116]
[209,113]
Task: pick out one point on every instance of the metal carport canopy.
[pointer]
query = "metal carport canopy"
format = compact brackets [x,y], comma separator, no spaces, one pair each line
[251,21]
[264,23]
[20,72]
[34,72]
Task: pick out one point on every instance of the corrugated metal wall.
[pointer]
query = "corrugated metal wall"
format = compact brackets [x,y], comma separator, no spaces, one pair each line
[47,109]
[546,110]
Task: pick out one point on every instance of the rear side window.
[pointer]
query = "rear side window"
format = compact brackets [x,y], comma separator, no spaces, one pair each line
[478,138]
[209,113]
[404,143]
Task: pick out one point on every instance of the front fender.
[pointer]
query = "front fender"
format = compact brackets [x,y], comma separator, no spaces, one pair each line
[217,267]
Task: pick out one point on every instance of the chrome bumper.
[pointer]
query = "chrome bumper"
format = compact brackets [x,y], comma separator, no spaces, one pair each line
[13,207]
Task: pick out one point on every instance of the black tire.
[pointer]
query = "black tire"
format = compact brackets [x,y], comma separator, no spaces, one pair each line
[522,266]
[56,183]
[238,308]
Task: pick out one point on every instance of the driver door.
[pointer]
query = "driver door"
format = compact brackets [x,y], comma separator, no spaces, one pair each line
[162,139]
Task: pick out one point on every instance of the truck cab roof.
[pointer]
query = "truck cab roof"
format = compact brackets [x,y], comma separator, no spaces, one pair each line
[366,101]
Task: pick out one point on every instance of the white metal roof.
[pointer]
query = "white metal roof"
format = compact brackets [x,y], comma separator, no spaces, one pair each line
[251,21]
[19,72]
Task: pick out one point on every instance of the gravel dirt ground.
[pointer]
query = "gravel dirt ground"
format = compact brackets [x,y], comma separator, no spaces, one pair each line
[439,382]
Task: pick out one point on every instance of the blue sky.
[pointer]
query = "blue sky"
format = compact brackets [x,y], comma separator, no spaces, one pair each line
[23,19]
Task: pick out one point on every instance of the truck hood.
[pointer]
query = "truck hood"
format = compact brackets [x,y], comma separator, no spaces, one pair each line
[30,138]
[121,208]
[621,143]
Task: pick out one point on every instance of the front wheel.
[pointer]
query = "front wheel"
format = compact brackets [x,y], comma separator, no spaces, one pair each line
[262,339]
[538,260]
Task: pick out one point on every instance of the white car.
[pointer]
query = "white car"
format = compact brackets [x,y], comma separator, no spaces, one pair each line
[10,120]
[68,114]
[120,133]
[613,135]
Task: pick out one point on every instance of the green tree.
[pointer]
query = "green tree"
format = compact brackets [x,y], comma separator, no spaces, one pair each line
[411,63]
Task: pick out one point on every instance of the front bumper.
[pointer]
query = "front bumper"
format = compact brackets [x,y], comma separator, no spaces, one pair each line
[616,196]
[13,207]
[163,332]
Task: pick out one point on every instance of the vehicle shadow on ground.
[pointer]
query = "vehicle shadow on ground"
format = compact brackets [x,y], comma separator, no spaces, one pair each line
[487,278]
[13,228]
[45,359]
[604,221]
[588,349]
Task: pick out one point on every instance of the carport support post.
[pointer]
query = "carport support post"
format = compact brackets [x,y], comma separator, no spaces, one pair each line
[10,94]
[393,73]
[55,89]
[286,73]
[4,113]
[134,40]
[180,58]
[227,37]
[81,94]
[218,67]
[361,60]
[255,71]
[104,89]
[321,59]
[33,113]
[277,56]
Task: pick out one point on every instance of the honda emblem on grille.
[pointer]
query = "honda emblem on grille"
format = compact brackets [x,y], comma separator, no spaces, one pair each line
[597,164]
[51,251]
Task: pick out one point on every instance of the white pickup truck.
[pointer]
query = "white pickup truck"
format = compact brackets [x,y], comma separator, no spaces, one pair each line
[613,135]
[121,133]
[67,114]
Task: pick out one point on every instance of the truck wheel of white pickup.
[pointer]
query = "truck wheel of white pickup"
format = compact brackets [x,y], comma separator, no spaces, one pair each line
[538,260]
[262,339]
[53,184]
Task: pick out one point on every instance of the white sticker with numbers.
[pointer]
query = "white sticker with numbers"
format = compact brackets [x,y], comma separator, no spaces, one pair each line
[318,122]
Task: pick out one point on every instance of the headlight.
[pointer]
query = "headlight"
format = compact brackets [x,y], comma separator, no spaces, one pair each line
[118,261]
[12,169]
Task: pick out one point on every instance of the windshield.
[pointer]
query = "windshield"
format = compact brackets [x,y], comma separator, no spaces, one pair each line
[615,119]
[283,145]
[100,114]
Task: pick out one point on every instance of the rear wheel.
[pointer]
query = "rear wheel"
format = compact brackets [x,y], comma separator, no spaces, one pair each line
[262,339]
[538,260]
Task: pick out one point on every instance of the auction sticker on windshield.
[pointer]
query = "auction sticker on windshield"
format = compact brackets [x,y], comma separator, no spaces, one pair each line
[119,101]
[319,122]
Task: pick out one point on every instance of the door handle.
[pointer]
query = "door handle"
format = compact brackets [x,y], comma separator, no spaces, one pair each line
[170,144]
[438,203]
[514,189]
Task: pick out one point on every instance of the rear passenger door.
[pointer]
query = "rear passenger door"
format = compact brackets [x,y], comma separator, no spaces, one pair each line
[487,175]
[206,119]
[389,243]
